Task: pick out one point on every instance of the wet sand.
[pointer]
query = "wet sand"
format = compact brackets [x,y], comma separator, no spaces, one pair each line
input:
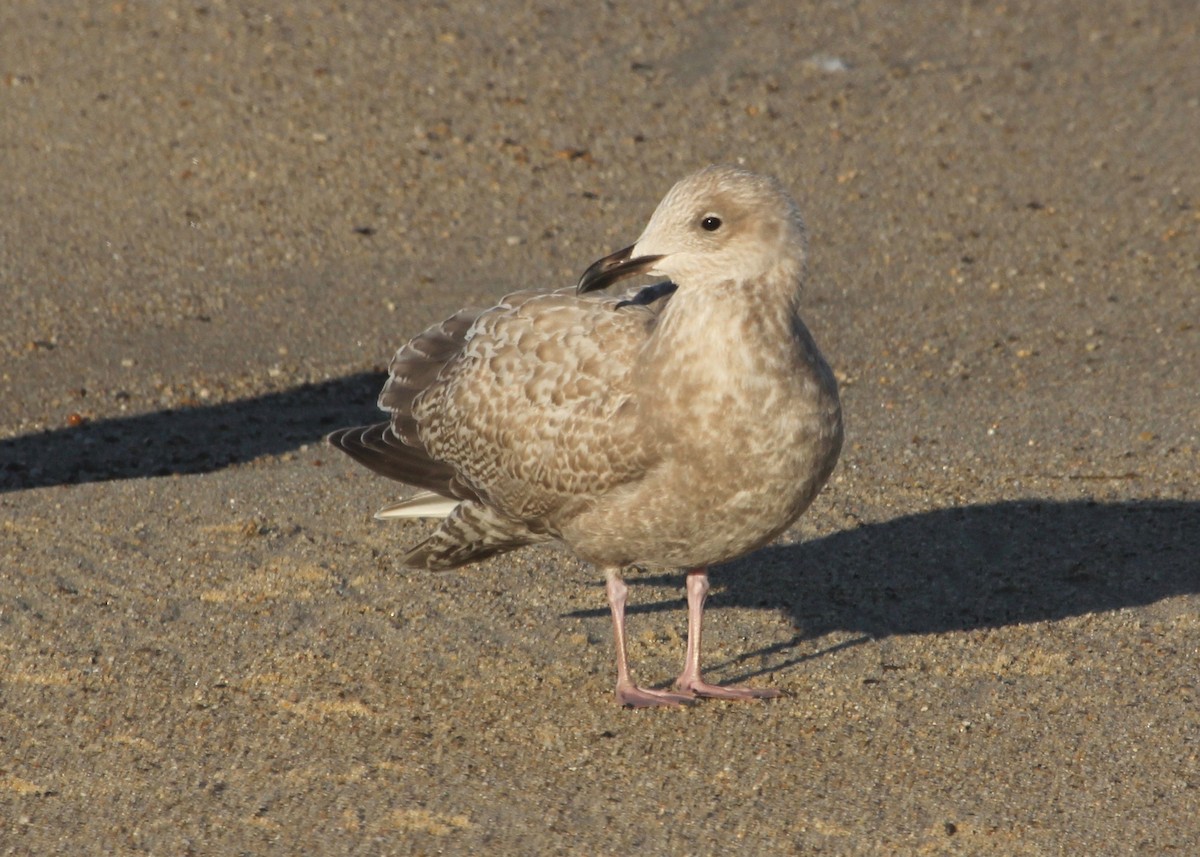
[218,225]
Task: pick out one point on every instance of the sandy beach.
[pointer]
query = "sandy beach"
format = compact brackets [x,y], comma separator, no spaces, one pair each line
[220,221]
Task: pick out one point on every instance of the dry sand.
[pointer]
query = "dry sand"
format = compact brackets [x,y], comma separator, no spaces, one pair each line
[218,223]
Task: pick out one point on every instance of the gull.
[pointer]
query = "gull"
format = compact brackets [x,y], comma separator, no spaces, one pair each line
[679,425]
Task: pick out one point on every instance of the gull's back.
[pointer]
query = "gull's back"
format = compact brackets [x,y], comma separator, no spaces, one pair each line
[537,412]
[517,415]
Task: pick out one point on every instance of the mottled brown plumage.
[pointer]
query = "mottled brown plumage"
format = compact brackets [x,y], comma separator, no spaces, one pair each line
[677,426]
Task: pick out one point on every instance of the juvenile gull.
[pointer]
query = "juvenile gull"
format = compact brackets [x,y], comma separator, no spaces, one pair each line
[680,425]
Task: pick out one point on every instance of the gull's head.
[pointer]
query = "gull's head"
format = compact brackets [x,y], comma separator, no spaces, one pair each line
[721,223]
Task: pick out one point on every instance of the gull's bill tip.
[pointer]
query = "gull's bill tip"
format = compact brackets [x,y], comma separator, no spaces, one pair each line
[616,266]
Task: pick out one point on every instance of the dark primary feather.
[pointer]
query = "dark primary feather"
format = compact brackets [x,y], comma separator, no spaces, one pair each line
[378,448]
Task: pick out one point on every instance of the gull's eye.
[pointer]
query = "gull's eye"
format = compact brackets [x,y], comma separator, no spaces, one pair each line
[711,223]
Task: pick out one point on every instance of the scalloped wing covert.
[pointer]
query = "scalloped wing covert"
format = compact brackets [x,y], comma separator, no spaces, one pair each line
[535,371]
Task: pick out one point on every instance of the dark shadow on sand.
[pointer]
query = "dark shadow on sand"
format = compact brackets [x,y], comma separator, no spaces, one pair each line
[959,569]
[188,440]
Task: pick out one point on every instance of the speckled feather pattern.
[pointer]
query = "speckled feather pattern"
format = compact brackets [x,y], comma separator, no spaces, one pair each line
[538,410]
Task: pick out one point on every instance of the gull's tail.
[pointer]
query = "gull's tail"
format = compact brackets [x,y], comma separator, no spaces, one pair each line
[423,505]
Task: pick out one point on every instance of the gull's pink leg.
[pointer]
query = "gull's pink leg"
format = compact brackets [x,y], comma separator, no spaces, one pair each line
[690,680]
[628,693]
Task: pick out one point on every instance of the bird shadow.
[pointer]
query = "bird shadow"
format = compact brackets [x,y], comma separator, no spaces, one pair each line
[187,440]
[959,569]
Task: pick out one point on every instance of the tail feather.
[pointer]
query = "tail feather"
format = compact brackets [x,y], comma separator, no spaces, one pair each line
[423,505]
[470,533]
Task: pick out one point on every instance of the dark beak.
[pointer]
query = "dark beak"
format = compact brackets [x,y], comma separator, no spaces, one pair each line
[608,270]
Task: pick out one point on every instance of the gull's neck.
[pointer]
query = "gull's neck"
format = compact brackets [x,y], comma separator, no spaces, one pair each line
[742,322]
